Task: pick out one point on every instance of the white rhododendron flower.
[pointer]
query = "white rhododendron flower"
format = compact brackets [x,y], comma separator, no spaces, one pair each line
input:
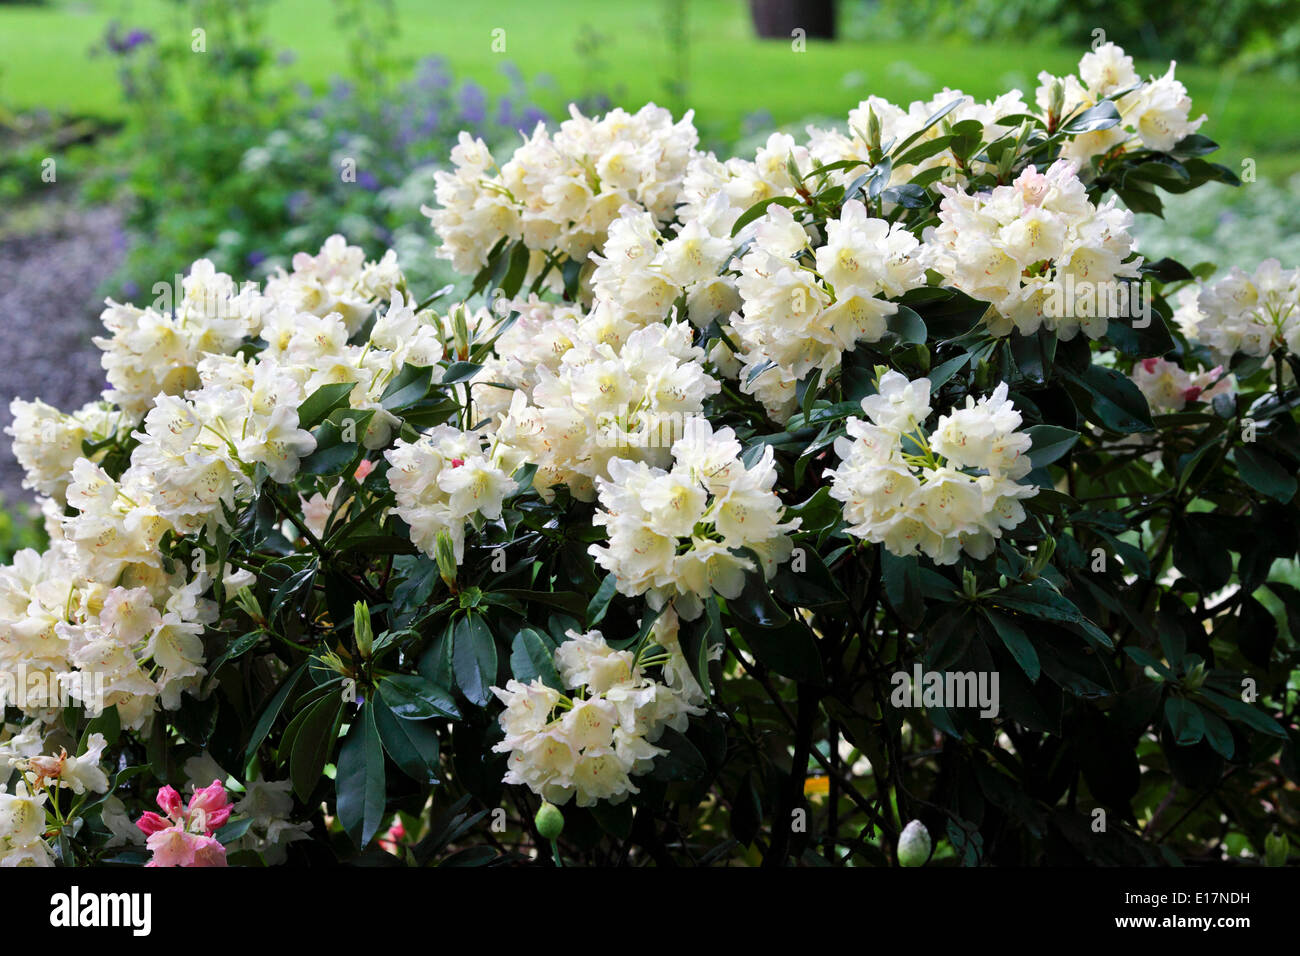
[561,190]
[446,478]
[1251,313]
[1168,388]
[48,442]
[1154,114]
[22,826]
[953,490]
[591,742]
[675,535]
[79,773]
[338,280]
[642,275]
[800,315]
[607,400]
[898,125]
[1037,250]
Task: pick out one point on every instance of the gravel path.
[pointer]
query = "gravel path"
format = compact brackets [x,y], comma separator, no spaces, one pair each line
[49,309]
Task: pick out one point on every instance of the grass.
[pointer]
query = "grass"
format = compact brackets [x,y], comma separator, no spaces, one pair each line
[45,61]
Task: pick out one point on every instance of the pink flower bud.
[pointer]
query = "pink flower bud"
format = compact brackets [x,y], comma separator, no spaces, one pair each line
[151,823]
[213,803]
[170,802]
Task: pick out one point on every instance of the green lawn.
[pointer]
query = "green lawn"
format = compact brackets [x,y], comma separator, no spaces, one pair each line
[44,62]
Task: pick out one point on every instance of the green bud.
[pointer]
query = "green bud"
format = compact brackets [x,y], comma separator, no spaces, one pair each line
[1195,676]
[362,629]
[460,331]
[1056,103]
[873,129]
[444,551]
[247,600]
[549,820]
[914,845]
[1046,548]
[1276,849]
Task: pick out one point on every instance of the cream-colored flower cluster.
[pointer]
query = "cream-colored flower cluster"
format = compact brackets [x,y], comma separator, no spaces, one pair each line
[560,191]
[337,281]
[606,401]
[66,637]
[1154,113]
[591,742]
[1249,313]
[641,274]
[47,442]
[952,490]
[803,308]
[23,822]
[97,617]
[540,335]
[674,535]
[446,478]
[898,125]
[1167,387]
[22,828]
[158,350]
[1037,250]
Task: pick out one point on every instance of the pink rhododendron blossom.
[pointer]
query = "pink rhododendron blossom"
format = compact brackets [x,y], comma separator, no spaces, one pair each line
[184,836]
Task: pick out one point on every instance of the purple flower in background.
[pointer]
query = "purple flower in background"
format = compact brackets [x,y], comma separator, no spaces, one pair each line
[505,113]
[433,74]
[297,203]
[256,258]
[122,45]
[473,104]
[287,58]
[531,117]
[366,180]
[341,90]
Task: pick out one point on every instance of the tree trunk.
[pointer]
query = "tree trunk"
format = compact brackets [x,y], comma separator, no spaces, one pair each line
[780,18]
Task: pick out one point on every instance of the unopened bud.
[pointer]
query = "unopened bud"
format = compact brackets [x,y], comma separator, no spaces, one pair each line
[1195,676]
[873,129]
[1276,849]
[444,551]
[1056,101]
[914,845]
[1046,548]
[362,629]
[549,820]
[460,332]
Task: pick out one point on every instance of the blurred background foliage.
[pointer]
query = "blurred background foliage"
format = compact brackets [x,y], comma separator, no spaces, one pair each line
[231,142]
[1247,34]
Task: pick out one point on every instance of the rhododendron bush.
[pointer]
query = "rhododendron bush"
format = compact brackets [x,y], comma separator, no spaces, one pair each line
[763,509]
